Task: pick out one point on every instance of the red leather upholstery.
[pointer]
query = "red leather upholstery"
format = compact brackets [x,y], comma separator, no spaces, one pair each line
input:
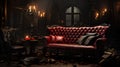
[71,35]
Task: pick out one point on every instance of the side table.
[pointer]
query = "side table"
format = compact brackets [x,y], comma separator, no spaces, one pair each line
[40,47]
[30,46]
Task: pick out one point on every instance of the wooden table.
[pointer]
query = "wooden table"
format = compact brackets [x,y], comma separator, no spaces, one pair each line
[30,46]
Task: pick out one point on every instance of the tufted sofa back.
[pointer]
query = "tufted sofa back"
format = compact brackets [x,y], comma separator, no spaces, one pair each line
[71,34]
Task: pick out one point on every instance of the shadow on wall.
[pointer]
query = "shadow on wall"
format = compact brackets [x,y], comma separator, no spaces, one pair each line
[113,37]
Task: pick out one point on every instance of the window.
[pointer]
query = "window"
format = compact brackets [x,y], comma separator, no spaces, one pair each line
[72,16]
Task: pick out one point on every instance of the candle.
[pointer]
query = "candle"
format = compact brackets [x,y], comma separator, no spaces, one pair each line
[27,37]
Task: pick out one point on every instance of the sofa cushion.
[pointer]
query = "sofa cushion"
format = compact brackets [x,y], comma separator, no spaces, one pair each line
[90,34]
[59,39]
[82,39]
[60,45]
[90,40]
[48,39]
[52,38]
[56,39]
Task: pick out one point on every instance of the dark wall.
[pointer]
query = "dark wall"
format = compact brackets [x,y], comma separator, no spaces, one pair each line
[87,10]
[55,10]
[18,17]
[113,33]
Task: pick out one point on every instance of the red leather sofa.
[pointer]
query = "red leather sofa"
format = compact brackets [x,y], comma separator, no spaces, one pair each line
[63,39]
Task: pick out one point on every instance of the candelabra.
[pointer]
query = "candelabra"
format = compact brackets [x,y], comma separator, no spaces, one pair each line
[37,17]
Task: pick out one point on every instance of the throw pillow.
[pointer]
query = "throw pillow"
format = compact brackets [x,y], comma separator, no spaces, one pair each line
[59,39]
[90,34]
[81,39]
[56,39]
[91,39]
[48,38]
[52,38]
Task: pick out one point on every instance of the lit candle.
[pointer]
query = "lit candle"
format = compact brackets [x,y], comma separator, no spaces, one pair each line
[34,8]
[30,7]
[27,37]
[96,15]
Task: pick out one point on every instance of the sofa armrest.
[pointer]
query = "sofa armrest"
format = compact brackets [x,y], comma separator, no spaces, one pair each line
[101,39]
[47,39]
[100,43]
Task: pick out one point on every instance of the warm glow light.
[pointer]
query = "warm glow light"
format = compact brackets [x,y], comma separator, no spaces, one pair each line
[27,37]
[30,7]
[34,8]
[105,10]
[41,14]
[38,12]
[96,15]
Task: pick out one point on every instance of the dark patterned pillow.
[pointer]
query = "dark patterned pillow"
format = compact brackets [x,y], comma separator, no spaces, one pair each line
[90,40]
[81,40]
[91,34]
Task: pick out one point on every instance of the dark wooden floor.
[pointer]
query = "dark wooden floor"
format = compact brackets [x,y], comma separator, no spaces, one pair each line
[51,65]
[73,62]
[66,65]
[57,61]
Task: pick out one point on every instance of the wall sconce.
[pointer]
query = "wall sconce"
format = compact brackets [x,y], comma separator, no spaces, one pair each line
[96,15]
[32,8]
[104,10]
[41,14]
